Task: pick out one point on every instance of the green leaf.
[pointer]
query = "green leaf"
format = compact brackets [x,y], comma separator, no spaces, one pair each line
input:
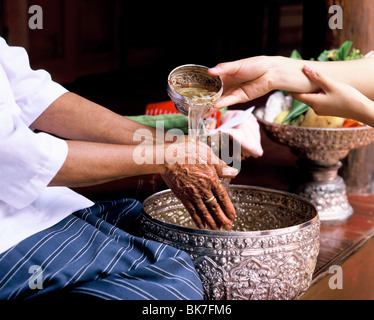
[296,55]
[344,50]
[298,108]
[323,56]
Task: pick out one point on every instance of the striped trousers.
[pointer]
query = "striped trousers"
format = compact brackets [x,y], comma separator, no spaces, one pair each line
[90,255]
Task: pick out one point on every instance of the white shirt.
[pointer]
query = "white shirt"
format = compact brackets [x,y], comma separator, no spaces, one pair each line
[29,160]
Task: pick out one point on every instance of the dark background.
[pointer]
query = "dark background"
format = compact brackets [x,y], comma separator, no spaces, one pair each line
[119,53]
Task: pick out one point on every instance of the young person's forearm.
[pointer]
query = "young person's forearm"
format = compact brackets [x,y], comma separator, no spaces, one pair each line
[356,73]
[288,74]
[365,112]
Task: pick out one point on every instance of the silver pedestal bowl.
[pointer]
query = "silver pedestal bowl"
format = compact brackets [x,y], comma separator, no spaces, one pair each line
[271,252]
[320,151]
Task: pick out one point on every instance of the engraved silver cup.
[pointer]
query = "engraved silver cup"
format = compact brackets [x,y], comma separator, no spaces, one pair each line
[192,74]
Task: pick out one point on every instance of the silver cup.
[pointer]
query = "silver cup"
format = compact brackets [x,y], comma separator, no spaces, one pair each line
[195,75]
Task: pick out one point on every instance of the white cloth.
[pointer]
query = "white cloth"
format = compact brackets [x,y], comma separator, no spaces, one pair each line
[29,160]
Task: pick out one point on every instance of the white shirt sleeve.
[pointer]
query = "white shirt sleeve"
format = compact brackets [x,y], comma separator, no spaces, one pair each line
[28,160]
[33,91]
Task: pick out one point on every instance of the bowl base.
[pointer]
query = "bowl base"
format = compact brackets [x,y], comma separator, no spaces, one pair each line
[330,198]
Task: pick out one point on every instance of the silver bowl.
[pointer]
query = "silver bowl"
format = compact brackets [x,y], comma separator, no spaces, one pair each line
[270,254]
[192,74]
[320,151]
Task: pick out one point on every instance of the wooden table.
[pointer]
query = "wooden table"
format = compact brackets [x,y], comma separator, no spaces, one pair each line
[351,246]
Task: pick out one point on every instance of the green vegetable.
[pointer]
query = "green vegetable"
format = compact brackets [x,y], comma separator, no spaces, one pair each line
[298,108]
[341,54]
[296,55]
[344,50]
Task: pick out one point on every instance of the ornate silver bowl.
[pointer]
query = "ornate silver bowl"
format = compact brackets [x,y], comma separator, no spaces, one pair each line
[320,151]
[192,74]
[271,252]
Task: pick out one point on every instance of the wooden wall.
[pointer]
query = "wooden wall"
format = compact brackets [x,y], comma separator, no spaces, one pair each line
[358,24]
[78,37]
[83,37]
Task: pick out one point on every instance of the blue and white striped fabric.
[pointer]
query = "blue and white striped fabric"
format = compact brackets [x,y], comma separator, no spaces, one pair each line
[89,254]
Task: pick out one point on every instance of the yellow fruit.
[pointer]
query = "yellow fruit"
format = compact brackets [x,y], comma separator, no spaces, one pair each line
[299,121]
[280,117]
[312,120]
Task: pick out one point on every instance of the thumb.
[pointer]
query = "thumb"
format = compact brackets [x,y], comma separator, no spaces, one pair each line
[226,101]
[225,171]
[226,68]
[319,79]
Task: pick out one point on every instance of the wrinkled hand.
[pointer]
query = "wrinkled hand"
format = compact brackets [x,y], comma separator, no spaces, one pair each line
[193,175]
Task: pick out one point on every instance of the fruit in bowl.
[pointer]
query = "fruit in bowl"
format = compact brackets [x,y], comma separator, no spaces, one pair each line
[278,110]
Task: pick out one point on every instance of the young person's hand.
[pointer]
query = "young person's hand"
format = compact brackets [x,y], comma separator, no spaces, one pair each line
[336,99]
[248,79]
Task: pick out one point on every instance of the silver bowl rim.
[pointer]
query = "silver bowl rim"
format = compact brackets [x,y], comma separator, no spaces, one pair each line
[272,232]
[365,127]
[179,96]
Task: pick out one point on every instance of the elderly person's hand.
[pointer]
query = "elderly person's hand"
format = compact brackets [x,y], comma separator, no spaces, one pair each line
[193,173]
